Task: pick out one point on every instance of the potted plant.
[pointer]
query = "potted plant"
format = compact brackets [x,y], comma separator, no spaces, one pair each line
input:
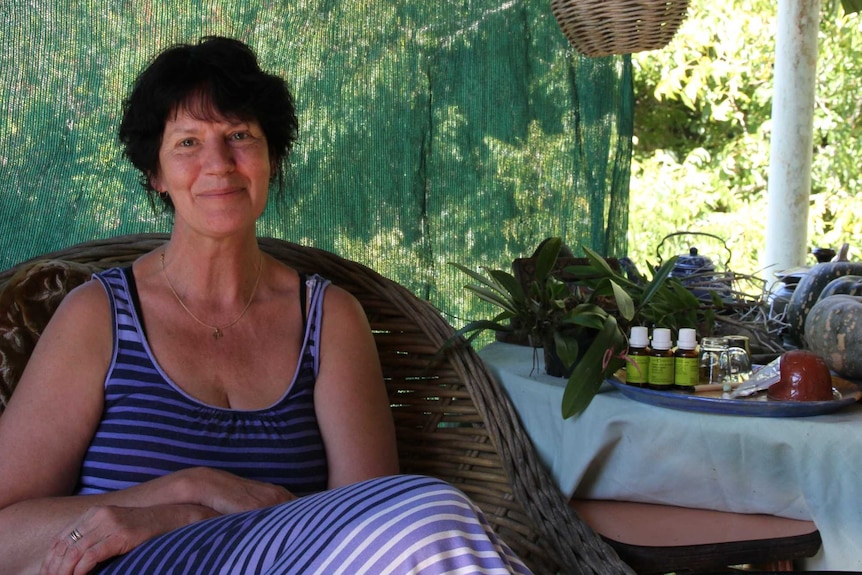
[583,322]
[662,301]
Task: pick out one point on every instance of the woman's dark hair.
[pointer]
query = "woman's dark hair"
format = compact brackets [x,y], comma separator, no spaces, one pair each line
[224,74]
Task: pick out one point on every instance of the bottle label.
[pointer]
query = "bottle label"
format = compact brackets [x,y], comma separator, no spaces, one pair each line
[686,371]
[661,370]
[637,368]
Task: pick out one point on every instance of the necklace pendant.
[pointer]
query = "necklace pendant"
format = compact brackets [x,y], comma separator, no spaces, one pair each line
[217,332]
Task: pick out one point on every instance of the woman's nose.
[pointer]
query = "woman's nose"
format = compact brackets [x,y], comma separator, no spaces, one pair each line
[219,157]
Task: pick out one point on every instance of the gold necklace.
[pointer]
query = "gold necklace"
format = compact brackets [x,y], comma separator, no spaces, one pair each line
[217,331]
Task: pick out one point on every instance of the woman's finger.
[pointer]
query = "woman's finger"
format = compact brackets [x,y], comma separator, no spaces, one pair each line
[64,554]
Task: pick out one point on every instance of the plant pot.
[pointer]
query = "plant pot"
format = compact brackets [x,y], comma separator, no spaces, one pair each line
[553,364]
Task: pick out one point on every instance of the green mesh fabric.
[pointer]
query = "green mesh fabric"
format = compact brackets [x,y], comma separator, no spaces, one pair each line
[430,132]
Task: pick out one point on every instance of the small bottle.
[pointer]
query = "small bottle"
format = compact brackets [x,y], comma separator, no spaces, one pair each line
[686,360]
[661,360]
[637,366]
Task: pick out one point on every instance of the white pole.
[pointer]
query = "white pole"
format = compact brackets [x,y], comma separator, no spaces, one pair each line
[789,184]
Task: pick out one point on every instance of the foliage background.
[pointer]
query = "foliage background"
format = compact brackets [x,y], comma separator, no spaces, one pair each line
[418,115]
[702,133]
[454,130]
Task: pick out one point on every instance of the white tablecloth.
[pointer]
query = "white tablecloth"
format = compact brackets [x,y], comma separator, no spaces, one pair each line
[801,467]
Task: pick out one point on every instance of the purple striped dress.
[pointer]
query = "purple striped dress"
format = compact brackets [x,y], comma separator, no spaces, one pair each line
[150,427]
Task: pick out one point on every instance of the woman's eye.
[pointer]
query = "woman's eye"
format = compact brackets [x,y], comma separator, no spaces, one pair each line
[186,143]
[239,135]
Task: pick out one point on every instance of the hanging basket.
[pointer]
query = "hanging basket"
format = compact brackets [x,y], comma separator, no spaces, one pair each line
[605,27]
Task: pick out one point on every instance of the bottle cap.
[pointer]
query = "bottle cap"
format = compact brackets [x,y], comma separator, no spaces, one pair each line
[687,338]
[661,338]
[639,336]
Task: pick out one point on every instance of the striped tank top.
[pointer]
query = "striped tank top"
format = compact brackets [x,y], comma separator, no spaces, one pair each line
[151,428]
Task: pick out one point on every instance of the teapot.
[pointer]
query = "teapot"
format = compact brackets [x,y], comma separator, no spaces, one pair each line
[692,263]
[698,272]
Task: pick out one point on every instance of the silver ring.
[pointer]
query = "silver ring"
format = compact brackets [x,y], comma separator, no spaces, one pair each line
[75,536]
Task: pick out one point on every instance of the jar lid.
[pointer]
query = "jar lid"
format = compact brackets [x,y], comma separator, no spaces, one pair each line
[639,336]
[687,338]
[661,338]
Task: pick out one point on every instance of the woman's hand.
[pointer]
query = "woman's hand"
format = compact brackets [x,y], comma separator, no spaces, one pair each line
[104,532]
[227,493]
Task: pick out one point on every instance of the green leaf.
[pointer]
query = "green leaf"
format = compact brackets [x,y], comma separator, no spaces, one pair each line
[495,298]
[685,298]
[585,273]
[586,314]
[588,375]
[602,288]
[481,325]
[507,282]
[588,308]
[547,257]
[624,301]
[851,6]
[657,281]
[598,262]
[567,349]
[593,321]
[715,299]
[472,330]
[502,283]
[476,276]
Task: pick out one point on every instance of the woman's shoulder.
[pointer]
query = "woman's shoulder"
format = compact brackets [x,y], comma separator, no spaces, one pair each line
[338,298]
[84,307]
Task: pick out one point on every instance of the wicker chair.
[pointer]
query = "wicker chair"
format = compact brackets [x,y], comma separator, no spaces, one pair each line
[453,421]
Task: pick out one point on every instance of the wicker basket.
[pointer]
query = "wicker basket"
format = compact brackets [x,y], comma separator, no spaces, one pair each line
[605,27]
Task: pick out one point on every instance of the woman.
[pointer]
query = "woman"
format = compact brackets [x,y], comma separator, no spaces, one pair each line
[213,410]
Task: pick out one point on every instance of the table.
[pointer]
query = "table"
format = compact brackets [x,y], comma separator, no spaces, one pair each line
[801,467]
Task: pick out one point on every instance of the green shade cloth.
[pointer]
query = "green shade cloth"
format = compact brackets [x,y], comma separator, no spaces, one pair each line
[430,132]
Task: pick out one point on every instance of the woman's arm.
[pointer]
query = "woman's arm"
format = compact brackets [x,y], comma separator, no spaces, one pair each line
[350,397]
[45,432]
[56,407]
[114,523]
[48,423]
[37,531]
[103,531]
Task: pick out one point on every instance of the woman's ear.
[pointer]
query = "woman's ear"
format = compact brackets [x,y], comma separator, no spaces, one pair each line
[155,182]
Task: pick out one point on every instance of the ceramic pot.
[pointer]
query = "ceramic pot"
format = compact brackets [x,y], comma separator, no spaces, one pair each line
[553,364]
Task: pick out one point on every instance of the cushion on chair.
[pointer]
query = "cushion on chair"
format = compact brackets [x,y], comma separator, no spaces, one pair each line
[27,302]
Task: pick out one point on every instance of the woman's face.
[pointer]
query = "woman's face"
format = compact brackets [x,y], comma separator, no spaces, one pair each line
[216,171]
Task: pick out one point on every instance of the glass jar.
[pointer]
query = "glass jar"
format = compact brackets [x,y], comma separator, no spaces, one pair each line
[723,360]
[712,364]
[737,364]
